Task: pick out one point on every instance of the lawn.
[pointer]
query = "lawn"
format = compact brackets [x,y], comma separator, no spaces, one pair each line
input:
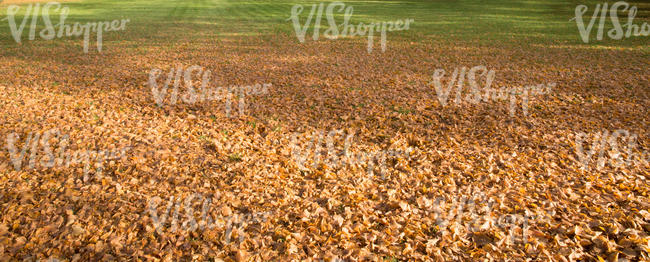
[421,178]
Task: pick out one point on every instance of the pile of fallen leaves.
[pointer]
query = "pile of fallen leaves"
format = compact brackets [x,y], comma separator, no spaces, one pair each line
[411,209]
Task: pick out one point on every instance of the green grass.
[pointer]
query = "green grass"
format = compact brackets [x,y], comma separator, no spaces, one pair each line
[485,22]
[235,157]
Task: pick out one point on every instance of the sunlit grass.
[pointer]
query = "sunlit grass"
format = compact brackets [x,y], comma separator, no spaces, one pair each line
[495,22]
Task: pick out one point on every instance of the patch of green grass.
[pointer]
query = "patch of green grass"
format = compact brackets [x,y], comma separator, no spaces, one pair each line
[390,259]
[401,110]
[234,157]
[174,21]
